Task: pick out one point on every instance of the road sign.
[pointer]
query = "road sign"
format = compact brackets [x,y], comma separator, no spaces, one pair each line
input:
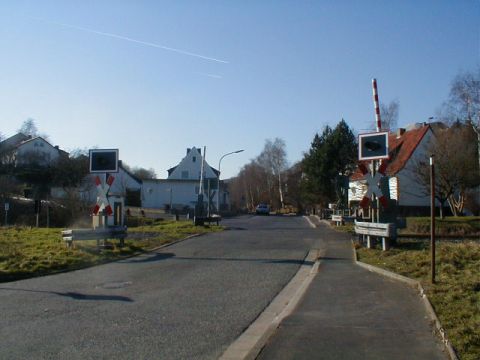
[103,160]
[373,146]
[7,206]
[102,198]
[373,184]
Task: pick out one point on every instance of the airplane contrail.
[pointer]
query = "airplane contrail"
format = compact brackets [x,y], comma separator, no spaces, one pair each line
[146,43]
[209,75]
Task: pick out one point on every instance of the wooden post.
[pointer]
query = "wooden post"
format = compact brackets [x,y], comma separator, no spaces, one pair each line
[432,217]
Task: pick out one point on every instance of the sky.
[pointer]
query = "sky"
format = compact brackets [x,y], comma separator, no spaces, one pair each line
[153,78]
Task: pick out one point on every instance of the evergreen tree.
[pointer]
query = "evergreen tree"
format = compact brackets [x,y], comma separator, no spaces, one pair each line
[332,153]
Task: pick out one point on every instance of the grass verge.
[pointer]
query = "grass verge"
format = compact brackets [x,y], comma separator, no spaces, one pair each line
[28,252]
[448,226]
[456,294]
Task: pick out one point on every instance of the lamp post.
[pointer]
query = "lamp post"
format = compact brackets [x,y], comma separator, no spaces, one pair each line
[218,180]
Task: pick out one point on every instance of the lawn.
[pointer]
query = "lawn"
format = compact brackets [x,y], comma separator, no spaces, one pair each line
[28,252]
[456,294]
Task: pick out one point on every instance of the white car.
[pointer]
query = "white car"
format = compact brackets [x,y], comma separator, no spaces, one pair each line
[262,209]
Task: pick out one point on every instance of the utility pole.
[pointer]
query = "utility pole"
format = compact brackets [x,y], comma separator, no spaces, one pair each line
[218,179]
[432,217]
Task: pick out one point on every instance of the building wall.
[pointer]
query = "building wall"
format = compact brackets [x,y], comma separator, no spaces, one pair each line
[156,193]
[38,146]
[184,193]
[190,167]
[410,191]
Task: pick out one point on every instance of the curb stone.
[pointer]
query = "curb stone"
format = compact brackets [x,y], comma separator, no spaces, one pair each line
[312,225]
[426,302]
[249,344]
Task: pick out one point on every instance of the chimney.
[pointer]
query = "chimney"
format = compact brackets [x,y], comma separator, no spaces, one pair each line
[400,132]
[188,150]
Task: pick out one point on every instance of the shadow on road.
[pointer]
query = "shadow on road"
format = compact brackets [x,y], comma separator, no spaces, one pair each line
[148,258]
[75,295]
[265,261]
[164,256]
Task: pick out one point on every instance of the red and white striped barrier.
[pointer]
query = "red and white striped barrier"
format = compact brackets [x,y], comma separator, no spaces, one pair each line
[377,106]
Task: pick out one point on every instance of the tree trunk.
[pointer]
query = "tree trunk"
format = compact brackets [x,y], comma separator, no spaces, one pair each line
[476,129]
[280,192]
[456,205]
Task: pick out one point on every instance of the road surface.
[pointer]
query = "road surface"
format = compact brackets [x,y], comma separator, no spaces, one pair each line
[186,301]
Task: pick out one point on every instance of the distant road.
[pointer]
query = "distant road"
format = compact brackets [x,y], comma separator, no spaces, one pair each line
[190,300]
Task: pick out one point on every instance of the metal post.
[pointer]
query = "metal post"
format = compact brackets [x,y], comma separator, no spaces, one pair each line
[432,217]
[38,204]
[208,203]
[218,179]
[48,212]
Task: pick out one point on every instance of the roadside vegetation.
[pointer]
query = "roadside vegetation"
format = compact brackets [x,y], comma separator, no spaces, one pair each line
[28,252]
[456,294]
[449,226]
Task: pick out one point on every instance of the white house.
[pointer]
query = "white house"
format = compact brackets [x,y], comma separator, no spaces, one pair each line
[181,188]
[170,194]
[190,167]
[20,148]
[406,148]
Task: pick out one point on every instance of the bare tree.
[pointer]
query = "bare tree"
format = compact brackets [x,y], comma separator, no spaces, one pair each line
[273,159]
[464,102]
[29,128]
[249,187]
[456,167]
[389,114]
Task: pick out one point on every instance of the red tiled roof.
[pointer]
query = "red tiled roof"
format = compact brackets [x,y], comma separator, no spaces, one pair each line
[400,150]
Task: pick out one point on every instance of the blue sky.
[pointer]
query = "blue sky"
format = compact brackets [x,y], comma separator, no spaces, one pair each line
[223,74]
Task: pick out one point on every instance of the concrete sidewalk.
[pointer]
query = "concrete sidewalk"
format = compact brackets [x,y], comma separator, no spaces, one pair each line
[351,313]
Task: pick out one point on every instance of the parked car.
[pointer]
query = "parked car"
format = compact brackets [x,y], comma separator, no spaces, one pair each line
[262,209]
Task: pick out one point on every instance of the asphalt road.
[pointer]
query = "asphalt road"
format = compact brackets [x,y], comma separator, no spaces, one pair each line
[187,301]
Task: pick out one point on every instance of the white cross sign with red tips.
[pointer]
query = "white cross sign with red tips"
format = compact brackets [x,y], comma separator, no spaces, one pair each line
[102,198]
[373,182]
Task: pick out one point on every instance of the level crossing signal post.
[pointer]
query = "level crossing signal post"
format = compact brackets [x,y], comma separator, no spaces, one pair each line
[104,162]
[373,150]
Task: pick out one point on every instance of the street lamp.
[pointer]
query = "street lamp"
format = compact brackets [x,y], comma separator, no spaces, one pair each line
[218,180]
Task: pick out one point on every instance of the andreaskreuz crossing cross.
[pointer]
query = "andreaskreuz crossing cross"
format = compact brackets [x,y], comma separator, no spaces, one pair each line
[102,198]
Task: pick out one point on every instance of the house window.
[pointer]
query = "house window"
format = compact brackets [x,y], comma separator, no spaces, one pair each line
[194,159]
[185,174]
